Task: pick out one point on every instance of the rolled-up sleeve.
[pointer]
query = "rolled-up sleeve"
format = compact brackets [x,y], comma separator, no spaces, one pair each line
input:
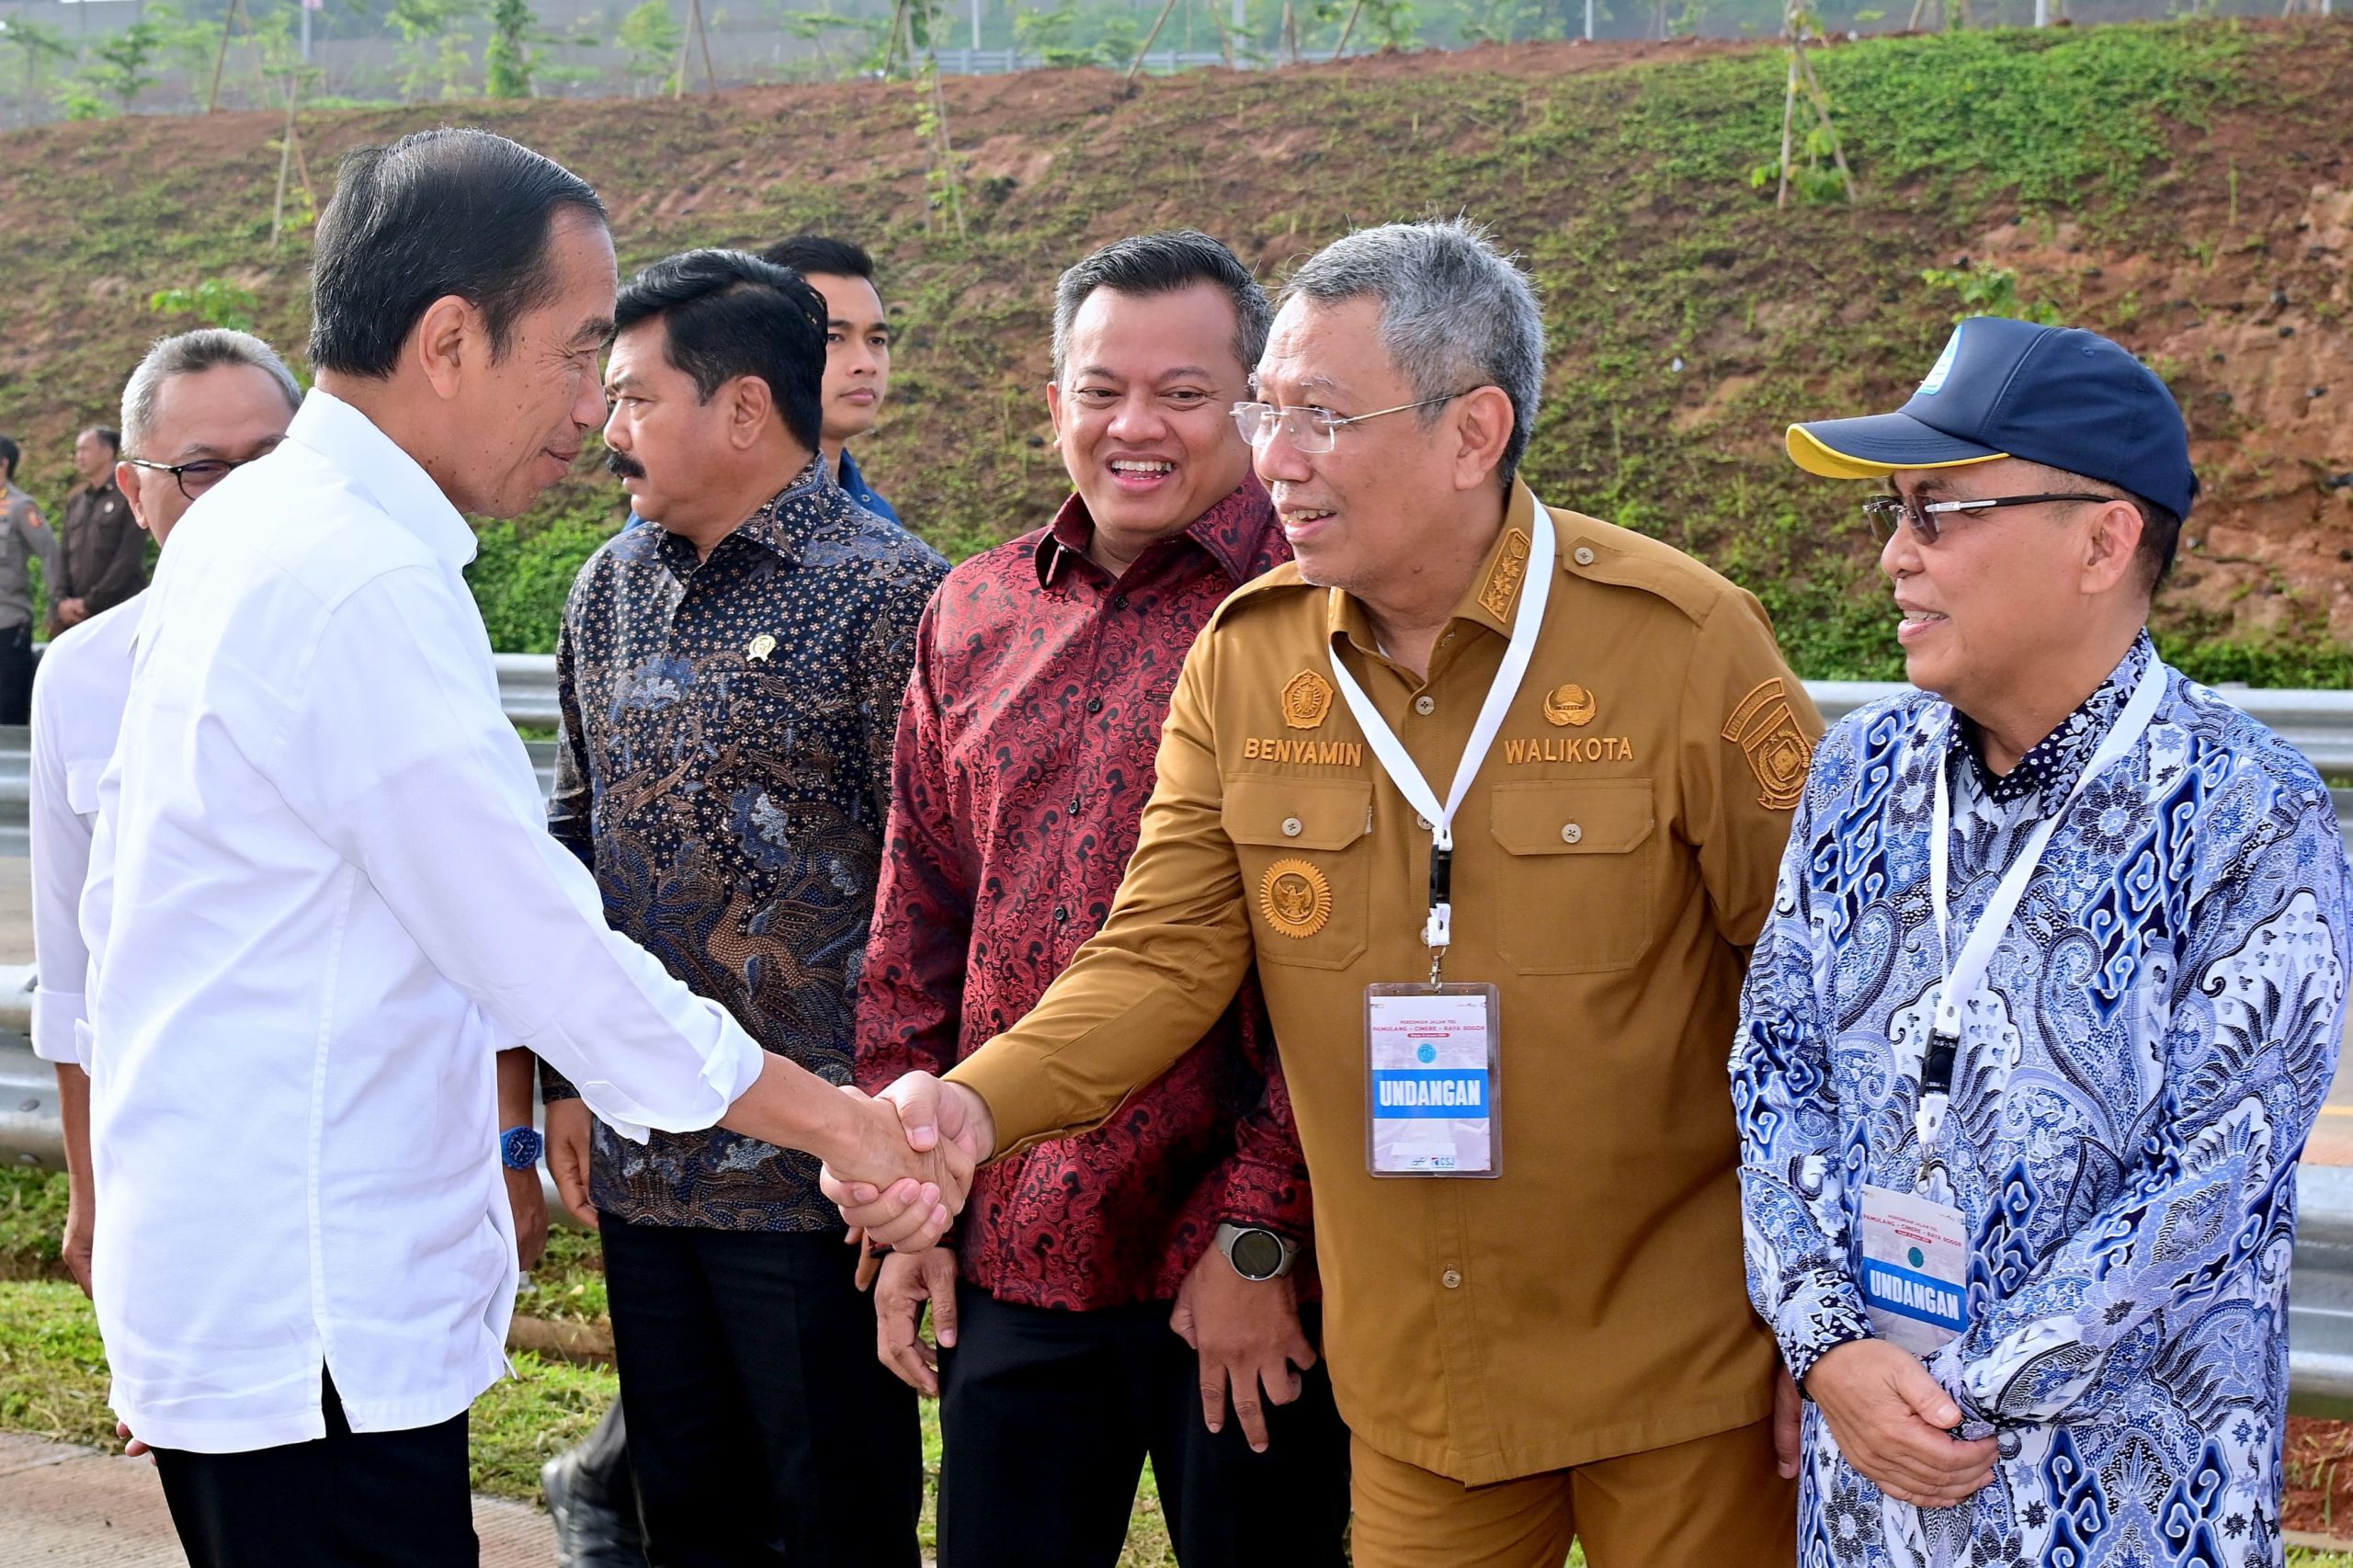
[398,757]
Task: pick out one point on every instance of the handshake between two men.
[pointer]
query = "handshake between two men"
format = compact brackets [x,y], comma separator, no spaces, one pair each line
[904,1160]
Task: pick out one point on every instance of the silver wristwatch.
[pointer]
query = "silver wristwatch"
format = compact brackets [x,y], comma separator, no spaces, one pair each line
[1255,1252]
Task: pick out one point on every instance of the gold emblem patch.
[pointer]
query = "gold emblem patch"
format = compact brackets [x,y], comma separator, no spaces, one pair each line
[1306,699]
[1766,729]
[1295,898]
[1504,581]
[760,648]
[1570,705]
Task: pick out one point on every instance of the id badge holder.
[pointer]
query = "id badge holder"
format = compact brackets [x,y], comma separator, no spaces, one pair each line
[1431,1059]
[1916,1269]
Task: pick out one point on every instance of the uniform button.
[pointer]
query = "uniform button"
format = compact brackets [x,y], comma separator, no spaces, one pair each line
[1425,703]
[1094,705]
[1062,914]
[1451,1279]
[1571,833]
[1292,827]
[1582,555]
[1421,821]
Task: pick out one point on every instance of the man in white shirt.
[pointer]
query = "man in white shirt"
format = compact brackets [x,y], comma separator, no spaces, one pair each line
[322,894]
[199,405]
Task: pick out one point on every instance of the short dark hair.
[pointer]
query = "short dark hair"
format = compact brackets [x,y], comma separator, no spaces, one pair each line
[806,253]
[1145,264]
[2160,540]
[11,454]
[726,314]
[437,213]
[109,434]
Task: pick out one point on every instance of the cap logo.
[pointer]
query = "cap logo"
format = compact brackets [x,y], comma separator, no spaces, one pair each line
[1943,370]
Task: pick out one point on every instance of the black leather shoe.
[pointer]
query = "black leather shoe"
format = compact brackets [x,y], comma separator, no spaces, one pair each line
[589,1531]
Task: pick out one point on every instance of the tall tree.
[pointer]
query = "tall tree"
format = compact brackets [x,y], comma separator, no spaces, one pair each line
[507,60]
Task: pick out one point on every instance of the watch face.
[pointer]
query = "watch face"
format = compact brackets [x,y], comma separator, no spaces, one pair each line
[1257,1254]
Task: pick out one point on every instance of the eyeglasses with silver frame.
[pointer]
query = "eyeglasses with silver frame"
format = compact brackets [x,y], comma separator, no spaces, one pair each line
[1883,513]
[1313,430]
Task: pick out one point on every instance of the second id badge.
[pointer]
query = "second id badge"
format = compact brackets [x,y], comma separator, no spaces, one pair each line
[1916,1269]
[1431,1053]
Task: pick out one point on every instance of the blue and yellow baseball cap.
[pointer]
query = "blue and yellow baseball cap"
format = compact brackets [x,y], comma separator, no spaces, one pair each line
[2059,396]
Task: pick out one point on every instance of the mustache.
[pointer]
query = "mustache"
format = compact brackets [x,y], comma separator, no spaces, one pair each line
[622,466]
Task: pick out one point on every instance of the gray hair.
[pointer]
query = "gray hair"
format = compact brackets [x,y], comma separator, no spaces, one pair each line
[1456,312]
[1145,264]
[187,354]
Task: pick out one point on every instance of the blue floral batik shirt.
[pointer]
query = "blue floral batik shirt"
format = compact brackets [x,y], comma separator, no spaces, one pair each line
[724,769]
[2133,1086]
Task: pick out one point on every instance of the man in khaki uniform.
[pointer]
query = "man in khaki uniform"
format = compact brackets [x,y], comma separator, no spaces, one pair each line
[1565,1350]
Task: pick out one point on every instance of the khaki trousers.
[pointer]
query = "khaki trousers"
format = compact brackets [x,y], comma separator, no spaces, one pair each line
[1715,1502]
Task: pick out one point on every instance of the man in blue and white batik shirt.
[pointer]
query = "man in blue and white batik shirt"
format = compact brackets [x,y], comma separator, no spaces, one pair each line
[2047,1004]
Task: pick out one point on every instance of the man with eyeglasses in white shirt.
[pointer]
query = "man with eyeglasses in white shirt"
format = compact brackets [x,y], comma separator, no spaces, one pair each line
[322,895]
[200,405]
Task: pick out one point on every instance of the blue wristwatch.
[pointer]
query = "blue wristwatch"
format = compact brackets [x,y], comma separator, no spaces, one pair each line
[519,1148]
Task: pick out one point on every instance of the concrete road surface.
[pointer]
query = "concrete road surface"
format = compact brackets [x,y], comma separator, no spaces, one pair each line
[62,1505]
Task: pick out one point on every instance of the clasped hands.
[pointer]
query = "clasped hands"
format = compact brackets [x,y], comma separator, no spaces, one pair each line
[901,1173]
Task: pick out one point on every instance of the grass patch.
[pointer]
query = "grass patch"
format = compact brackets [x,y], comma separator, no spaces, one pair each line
[53,1385]
[32,1219]
[1690,320]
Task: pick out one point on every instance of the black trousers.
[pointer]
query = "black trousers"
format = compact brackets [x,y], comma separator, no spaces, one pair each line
[1048,1417]
[761,1428]
[17,674]
[347,1500]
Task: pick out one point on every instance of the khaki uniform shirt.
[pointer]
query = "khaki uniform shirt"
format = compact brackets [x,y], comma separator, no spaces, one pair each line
[1613,859]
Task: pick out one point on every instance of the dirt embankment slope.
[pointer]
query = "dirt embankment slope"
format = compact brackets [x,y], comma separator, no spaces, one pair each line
[2187,188]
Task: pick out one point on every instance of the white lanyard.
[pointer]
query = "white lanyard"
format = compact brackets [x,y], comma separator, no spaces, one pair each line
[1965,971]
[1526,622]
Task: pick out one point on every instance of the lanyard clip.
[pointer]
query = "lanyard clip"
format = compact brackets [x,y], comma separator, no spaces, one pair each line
[1437,933]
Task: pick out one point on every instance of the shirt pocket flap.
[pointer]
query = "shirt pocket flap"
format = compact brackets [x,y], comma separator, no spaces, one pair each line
[1300,814]
[1600,816]
[82,786]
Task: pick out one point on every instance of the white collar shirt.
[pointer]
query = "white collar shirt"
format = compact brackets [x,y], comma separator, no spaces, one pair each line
[322,895]
[78,695]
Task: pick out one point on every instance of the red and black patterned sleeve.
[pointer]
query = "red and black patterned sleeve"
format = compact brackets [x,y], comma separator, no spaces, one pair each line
[910,1007]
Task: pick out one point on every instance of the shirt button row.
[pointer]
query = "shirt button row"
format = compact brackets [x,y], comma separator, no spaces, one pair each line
[1094,705]
[1451,1279]
[1425,703]
[1075,804]
[1571,832]
[1061,913]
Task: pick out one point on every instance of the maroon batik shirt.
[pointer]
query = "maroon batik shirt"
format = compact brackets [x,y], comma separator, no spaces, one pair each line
[1026,753]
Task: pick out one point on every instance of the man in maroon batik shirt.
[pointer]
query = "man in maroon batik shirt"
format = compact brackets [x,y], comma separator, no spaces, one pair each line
[1135,1290]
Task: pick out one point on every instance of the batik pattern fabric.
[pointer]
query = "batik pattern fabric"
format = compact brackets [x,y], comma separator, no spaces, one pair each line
[2134,1083]
[724,769]
[1026,755]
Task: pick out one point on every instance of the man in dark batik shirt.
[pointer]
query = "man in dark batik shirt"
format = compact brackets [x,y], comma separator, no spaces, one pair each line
[1107,1295]
[730,679]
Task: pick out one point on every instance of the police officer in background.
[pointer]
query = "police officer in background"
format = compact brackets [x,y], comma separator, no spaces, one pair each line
[102,555]
[1493,794]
